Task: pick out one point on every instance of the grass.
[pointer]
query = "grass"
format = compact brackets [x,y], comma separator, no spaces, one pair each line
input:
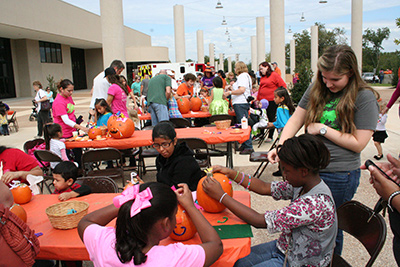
[381,85]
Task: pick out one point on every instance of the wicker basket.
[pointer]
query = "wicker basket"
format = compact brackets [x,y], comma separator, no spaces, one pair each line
[59,218]
[223,125]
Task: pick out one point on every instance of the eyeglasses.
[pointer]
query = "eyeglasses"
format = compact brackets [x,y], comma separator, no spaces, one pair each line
[164,145]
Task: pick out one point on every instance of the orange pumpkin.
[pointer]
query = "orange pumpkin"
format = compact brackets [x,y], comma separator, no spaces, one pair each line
[94,132]
[120,127]
[19,211]
[22,193]
[195,103]
[183,105]
[208,203]
[184,228]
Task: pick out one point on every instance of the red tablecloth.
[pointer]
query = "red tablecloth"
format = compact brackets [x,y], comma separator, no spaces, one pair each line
[190,114]
[66,244]
[211,135]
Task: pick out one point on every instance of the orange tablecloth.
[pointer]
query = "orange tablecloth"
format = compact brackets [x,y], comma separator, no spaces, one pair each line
[143,138]
[66,244]
[190,114]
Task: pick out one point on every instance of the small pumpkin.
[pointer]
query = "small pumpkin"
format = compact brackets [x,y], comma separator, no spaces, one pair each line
[94,132]
[120,126]
[22,193]
[184,228]
[19,211]
[208,203]
[183,105]
[195,103]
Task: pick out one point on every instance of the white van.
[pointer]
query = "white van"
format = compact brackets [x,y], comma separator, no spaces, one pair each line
[180,69]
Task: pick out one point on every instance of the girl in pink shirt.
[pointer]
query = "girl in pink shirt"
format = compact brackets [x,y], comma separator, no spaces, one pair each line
[146,214]
[117,94]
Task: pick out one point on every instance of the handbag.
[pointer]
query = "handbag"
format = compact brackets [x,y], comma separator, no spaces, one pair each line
[45,105]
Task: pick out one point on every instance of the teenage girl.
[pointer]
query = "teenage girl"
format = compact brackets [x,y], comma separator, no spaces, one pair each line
[52,136]
[341,110]
[308,225]
[146,214]
[285,108]
[103,112]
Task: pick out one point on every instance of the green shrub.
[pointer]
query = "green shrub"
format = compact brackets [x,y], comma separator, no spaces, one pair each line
[305,76]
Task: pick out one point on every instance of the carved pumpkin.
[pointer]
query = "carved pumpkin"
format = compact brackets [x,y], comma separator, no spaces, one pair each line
[19,211]
[22,193]
[120,126]
[183,105]
[195,103]
[184,228]
[94,132]
[208,203]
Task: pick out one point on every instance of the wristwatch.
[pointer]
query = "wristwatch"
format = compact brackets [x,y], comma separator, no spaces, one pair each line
[323,130]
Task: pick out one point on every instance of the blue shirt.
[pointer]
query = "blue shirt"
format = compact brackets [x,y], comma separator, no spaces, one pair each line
[103,119]
[282,116]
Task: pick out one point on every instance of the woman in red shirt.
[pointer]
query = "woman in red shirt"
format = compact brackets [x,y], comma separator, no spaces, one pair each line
[269,82]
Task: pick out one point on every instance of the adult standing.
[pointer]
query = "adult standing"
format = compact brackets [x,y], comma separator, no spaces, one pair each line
[276,68]
[136,86]
[269,82]
[240,92]
[174,84]
[393,99]
[43,115]
[144,84]
[117,93]
[157,95]
[341,110]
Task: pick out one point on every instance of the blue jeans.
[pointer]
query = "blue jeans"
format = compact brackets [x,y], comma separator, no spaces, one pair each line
[158,112]
[266,254]
[343,186]
[242,110]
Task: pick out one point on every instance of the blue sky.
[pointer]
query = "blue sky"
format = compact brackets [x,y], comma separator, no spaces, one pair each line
[155,18]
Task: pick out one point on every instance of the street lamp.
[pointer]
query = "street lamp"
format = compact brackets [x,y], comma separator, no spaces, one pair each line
[290,30]
[224,21]
[219,5]
[323,1]
[302,19]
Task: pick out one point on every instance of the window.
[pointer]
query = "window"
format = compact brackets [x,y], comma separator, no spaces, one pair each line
[50,52]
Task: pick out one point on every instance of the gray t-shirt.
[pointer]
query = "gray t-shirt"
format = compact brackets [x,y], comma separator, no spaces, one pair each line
[145,83]
[365,118]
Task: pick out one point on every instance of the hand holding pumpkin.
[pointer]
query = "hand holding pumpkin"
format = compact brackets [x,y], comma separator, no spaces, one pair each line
[224,170]
[9,176]
[184,196]
[213,188]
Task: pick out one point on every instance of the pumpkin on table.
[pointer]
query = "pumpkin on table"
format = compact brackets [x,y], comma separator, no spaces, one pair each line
[184,228]
[22,193]
[19,211]
[94,132]
[195,103]
[120,126]
[183,105]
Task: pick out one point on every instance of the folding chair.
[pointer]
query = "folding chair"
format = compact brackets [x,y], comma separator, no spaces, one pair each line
[200,150]
[101,184]
[12,121]
[46,156]
[146,152]
[353,219]
[32,143]
[180,122]
[263,158]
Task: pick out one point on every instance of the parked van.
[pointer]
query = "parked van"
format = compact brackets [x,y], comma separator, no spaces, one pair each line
[180,69]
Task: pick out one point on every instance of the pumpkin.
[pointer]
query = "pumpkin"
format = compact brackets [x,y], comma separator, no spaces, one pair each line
[22,193]
[94,132]
[120,126]
[19,211]
[184,228]
[208,203]
[183,105]
[195,103]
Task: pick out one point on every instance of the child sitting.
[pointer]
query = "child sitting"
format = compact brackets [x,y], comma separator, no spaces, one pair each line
[308,225]
[4,122]
[146,214]
[380,134]
[261,112]
[103,112]
[205,98]
[133,115]
[65,174]
[218,105]
[52,137]
[285,109]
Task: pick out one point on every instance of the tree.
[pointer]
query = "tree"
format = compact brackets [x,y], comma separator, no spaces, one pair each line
[372,45]
[305,76]
[397,41]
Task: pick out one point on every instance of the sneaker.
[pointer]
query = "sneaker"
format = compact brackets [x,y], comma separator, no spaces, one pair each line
[246,151]
[277,173]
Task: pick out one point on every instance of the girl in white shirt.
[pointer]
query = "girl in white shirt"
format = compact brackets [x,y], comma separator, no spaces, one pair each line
[52,136]
[380,134]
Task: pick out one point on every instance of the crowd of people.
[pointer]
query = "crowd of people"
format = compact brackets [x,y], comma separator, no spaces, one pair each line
[321,169]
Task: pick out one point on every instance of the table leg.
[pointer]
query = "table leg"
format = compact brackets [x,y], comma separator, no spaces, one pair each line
[229,156]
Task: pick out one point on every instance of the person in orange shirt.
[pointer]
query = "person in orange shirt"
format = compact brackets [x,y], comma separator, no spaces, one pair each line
[276,69]
[186,88]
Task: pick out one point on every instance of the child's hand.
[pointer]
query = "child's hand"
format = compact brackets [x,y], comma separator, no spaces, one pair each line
[270,125]
[213,188]
[184,195]
[64,196]
[224,170]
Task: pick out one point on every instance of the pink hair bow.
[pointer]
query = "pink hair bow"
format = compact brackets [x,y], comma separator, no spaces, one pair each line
[142,199]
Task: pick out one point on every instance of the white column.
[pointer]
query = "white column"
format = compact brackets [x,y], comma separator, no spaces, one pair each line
[179,30]
[260,33]
[221,61]
[229,64]
[277,22]
[292,56]
[112,31]
[200,47]
[211,48]
[357,29]
[254,63]
[314,50]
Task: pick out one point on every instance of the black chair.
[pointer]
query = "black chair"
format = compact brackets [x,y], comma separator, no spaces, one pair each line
[45,157]
[180,122]
[146,152]
[92,160]
[12,121]
[200,150]
[353,218]
[32,143]
[262,157]
[99,184]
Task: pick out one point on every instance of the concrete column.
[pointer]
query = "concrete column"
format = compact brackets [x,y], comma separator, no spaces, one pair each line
[112,31]
[254,62]
[200,47]
[211,48]
[292,56]
[357,29]
[277,22]
[221,61]
[229,64]
[260,33]
[179,30]
[314,50]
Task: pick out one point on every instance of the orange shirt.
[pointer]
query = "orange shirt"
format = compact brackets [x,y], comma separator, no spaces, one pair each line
[278,70]
[183,89]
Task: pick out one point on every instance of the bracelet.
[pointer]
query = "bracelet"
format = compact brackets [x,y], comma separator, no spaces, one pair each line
[248,185]
[241,181]
[391,198]
[222,197]
[236,176]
